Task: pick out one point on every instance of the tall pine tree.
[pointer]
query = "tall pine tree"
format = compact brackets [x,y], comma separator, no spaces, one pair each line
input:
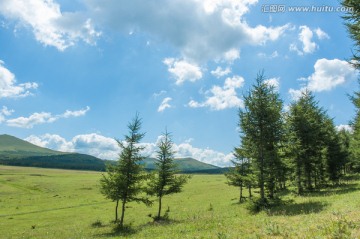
[124,181]
[261,127]
[352,19]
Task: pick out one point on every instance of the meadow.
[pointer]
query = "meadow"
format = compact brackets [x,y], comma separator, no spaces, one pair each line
[52,203]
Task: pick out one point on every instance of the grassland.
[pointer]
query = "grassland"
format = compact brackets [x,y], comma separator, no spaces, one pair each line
[50,203]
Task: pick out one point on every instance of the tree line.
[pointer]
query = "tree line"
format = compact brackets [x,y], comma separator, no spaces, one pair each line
[300,145]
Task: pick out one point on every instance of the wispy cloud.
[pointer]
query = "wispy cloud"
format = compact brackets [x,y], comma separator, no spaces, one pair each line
[165,104]
[43,118]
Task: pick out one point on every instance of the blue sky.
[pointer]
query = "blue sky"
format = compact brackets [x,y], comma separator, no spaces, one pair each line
[74,73]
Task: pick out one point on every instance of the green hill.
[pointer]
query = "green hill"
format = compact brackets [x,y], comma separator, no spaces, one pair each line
[187,165]
[17,152]
[12,146]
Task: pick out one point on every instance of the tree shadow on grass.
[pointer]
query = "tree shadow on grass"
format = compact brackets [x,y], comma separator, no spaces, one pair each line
[333,190]
[117,231]
[292,209]
[129,230]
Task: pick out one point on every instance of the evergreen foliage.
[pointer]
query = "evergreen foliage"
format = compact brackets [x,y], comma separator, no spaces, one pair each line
[261,125]
[124,181]
[352,19]
[164,180]
[241,174]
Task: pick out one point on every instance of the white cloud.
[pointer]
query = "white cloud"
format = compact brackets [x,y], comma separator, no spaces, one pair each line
[308,45]
[51,141]
[274,82]
[32,120]
[92,144]
[107,148]
[4,112]
[321,34]
[204,155]
[8,86]
[49,25]
[329,74]
[273,55]
[43,118]
[220,98]
[231,55]
[296,94]
[345,127]
[77,113]
[181,23]
[165,104]
[305,37]
[220,72]
[183,71]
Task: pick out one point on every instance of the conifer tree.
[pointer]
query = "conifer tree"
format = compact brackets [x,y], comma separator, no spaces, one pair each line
[124,181]
[240,175]
[352,19]
[261,127]
[165,181]
[306,122]
[355,139]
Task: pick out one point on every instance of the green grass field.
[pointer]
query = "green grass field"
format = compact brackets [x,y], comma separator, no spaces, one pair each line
[50,203]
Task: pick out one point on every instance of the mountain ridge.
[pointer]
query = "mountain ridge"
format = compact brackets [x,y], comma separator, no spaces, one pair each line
[18,152]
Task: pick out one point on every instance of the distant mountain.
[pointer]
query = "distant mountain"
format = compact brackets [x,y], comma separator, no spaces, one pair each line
[12,146]
[17,152]
[183,164]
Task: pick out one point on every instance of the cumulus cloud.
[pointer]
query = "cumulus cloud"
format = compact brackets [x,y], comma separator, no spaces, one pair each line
[183,71]
[92,144]
[345,127]
[49,25]
[43,118]
[165,104]
[327,75]
[107,148]
[308,45]
[330,73]
[219,98]
[8,86]
[306,39]
[181,23]
[220,72]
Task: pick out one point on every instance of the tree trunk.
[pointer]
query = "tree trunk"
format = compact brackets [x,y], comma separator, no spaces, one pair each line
[159,212]
[250,195]
[261,181]
[241,196]
[122,214]
[116,210]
